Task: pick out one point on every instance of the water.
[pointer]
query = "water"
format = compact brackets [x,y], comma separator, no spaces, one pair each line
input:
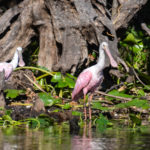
[58,138]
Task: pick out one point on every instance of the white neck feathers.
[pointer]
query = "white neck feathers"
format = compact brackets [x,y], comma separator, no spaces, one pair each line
[15,59]
[101,60]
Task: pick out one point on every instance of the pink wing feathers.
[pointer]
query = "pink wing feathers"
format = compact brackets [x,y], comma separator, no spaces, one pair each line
[7,68]
[82,81]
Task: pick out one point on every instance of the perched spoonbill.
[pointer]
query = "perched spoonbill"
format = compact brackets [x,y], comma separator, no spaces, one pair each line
[90,78]
[9,67]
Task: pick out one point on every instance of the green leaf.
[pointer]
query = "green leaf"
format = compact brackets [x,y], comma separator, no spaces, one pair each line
[66,106]
[141,92]
[135,119]
[67,81]
[56,110]
[135,102]
[136,48]
[57,77]
[41,82]
[139,103]
[117,93]
[61,84]
[121,105]
[7,117]
[102,123]
[94,54]
[123,44]
[12,93]
[70,82]
[8,112]
[97,105]
[76,113]
[48,99]
[45,120]
[33,122]
[71,76]
[130,39]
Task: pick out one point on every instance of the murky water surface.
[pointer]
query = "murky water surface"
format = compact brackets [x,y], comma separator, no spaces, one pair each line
[59,138]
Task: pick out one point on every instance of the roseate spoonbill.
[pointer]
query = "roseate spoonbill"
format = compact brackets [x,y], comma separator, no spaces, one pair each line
[9,67]
[90,78]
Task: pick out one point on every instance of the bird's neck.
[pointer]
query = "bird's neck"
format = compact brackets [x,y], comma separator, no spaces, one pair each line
[14,61]
[101,60]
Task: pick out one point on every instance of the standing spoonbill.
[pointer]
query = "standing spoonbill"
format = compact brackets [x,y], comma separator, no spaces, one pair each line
[9,67]
[90,78]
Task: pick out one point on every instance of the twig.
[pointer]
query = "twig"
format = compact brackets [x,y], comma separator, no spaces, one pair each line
[119,97]
[139,78]
[34,83]
[145,28]
[114,87]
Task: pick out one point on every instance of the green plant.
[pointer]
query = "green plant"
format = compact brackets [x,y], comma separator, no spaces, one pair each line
[13,93]
[53,82]
[48,99]
[101,123]
[134,49]
[63,84]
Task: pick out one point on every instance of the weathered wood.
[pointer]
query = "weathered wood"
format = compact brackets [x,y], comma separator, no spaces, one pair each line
[15,29]
[66,28]
[125,10]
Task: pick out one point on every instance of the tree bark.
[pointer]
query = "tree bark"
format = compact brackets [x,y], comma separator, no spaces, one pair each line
[67,29]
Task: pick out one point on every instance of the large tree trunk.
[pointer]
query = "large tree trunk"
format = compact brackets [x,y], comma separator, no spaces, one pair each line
[66,28]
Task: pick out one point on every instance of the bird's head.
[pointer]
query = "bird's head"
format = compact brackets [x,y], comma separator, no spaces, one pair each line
[21,62]
[104,46]
[19,49]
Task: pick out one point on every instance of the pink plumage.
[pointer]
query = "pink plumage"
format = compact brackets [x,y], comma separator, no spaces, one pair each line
[82,81]
[86,82]
[92,77]
[9,67]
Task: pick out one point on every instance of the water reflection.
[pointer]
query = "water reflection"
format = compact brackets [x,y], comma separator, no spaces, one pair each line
[84,142]
[59,138]
[112,139]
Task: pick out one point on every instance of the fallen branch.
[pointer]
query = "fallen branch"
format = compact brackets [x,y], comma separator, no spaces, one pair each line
[119,97]
[139,78]
[38,86]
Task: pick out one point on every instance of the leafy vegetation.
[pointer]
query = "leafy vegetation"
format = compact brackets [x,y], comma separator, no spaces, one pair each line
[12,93]
[55,88]
[102,122]
[135,49]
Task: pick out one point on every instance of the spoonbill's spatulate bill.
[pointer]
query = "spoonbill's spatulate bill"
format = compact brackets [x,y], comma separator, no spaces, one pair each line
[90,78]
[9,67]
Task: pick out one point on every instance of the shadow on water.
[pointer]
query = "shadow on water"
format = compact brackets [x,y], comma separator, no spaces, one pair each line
[58,137]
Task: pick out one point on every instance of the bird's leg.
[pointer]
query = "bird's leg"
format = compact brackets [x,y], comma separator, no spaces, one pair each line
[89,130]
[90,112]
[85,115]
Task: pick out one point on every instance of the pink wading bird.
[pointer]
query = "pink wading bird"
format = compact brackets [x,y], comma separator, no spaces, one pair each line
[9,67]
[90,78]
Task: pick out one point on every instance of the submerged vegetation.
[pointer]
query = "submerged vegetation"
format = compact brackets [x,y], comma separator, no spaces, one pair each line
[129,103]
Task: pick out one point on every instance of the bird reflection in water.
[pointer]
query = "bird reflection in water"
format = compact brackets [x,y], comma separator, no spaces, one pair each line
[84,142]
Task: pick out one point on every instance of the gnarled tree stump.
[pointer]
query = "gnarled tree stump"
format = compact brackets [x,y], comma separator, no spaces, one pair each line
[66,28]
